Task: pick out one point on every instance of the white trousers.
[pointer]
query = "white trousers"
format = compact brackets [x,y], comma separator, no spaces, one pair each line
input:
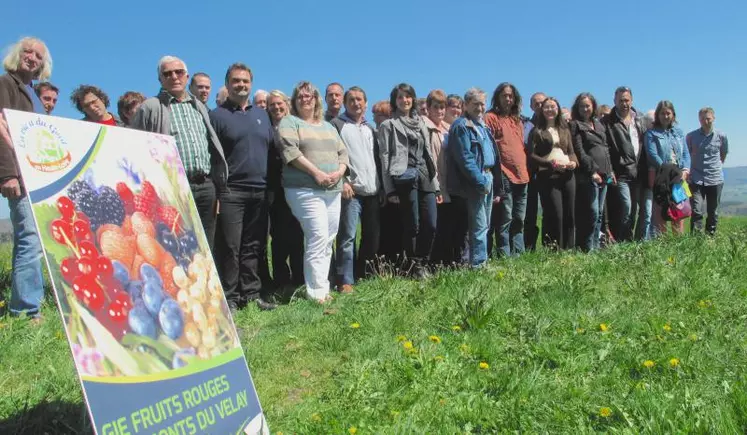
[318,212]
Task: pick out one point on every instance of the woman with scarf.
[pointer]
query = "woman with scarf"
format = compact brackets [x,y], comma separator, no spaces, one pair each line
[409,176]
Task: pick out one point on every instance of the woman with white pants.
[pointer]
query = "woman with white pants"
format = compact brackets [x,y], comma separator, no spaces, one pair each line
[315,161]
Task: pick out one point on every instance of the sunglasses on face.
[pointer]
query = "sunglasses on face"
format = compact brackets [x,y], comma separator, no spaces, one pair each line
[173,72]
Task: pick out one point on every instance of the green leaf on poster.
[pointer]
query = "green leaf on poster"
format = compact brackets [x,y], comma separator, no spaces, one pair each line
[107,344]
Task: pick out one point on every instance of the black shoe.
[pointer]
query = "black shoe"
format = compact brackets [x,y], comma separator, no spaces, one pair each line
[265,305]
[234,308]
[419,270]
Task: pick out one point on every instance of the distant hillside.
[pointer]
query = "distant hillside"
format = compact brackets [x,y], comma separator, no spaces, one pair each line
[5,226]
[734,195]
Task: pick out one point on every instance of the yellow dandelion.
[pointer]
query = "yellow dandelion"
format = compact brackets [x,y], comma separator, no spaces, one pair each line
[464,348]
[401,338]
[483,365]
[355,325]
[435,338]
[605,412]
[316,417]
[501,274]
[674,362]
[648,364]
[692,337]
[407,345]
[438,358]
[670,261]
[456,328]
[604,327]
[353,430]
[667,327]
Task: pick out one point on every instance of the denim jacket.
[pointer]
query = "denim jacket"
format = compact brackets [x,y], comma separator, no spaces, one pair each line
[466,161]
[660,145]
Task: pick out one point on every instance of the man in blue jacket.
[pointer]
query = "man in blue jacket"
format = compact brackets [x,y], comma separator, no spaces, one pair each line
[471,161]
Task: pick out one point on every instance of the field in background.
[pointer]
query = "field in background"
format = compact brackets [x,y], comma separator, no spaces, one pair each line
[640,337]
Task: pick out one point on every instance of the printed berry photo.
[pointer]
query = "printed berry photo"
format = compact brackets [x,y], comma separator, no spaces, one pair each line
[141,291]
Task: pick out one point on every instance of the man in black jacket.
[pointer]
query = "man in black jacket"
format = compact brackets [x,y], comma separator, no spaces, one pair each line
[625,140]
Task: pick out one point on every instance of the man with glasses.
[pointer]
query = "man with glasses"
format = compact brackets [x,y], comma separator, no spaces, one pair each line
[178,113]
[93,103]
[625,140]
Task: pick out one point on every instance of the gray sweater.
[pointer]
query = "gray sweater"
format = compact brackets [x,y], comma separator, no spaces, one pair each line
[154,115]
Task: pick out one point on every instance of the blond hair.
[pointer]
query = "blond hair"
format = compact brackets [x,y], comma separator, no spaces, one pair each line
[278,93]
[12,59]
[307,86]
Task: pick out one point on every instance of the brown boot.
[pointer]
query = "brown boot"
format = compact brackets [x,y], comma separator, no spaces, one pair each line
[345,288]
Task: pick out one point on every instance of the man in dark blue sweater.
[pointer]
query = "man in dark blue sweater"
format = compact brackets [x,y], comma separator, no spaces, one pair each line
[246,135]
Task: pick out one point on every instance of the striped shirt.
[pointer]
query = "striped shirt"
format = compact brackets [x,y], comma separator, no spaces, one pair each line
[320,144]
[191,135]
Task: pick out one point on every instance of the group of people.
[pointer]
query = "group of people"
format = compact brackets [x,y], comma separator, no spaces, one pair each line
[436,182]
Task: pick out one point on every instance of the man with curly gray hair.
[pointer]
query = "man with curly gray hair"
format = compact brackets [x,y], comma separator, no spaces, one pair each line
[26,61]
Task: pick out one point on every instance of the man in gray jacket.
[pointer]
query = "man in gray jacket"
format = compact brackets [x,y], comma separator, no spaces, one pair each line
[178,113]
[360,193]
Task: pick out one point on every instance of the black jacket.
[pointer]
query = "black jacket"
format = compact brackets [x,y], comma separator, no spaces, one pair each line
[622,152]
[591,148]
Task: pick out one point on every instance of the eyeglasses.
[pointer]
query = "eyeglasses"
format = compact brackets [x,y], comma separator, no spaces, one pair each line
[174,72]
[302,97]
[90,103]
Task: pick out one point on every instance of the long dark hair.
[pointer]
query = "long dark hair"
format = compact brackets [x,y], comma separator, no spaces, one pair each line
[542,121]
[495,102]
[409,90]
[664,104]
[576,108]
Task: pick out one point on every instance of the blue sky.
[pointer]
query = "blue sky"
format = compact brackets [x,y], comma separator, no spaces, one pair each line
[690,52]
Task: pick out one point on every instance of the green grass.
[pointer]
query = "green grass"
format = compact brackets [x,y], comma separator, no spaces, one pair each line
[535,321]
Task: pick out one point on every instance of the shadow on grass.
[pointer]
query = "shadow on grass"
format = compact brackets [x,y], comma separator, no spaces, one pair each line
[48,418]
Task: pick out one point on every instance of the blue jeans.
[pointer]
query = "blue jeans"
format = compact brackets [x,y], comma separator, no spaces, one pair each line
[595,196]
[27,290]
[512,208]
[479,207]
[643,229]
[350,266]
[622,217]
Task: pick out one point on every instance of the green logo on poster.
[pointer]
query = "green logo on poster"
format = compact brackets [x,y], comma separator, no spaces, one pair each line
[44,147]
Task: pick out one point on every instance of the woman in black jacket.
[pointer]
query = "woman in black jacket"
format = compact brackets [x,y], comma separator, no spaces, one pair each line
[595,170]
[555,160]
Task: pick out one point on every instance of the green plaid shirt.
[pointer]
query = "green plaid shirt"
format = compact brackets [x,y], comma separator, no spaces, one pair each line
[191,135]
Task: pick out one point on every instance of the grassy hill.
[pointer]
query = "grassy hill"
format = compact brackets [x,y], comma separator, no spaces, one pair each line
[637,338]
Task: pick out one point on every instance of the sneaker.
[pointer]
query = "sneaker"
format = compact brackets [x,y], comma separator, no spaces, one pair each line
[345,288]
